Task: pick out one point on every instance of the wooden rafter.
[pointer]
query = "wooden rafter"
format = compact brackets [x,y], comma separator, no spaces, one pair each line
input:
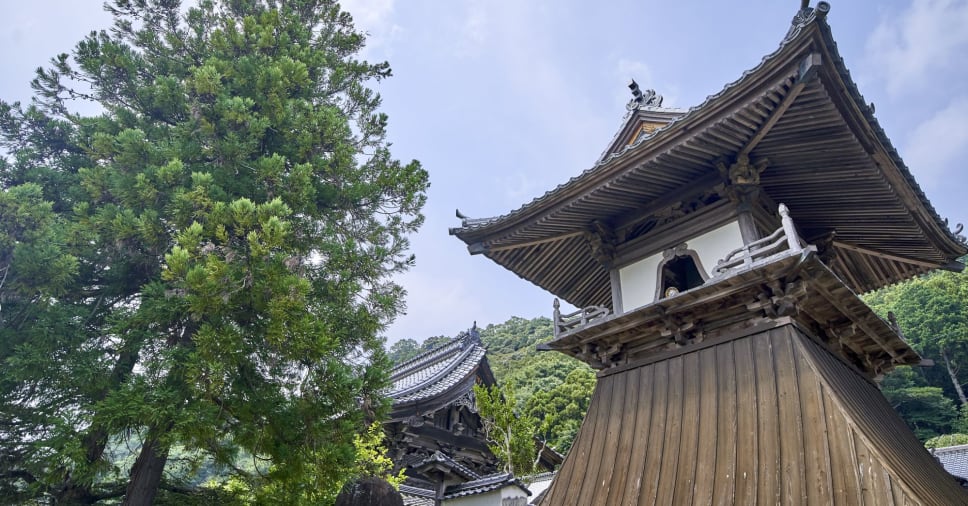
[881,254]
[808,69]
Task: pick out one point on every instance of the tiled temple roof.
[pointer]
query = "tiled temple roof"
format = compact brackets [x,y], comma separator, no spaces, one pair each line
[437,371]
[482,485]
[416,496]
[954,459]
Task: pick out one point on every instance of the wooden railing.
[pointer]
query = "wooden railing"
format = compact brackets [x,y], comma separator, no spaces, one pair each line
[784,237]
[571,321]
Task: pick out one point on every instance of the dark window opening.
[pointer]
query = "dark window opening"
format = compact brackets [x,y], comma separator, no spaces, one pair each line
[678,275]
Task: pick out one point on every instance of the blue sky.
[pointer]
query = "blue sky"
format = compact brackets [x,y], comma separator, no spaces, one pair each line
[501,100]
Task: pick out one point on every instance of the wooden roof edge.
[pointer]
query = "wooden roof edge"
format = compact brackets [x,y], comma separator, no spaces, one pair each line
[772,70]
[948,243]
[812,32]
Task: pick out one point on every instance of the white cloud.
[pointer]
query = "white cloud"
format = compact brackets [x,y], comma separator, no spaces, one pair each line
[374,18]
[938,146]
[474,28]
[907,50]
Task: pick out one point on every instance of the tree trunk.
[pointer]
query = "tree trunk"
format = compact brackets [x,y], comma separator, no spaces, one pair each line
[954,379]
[96,439]
[146,474]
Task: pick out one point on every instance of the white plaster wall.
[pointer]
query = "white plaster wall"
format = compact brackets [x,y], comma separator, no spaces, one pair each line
[714,245]
[492,498]
[638,282]
[638,279]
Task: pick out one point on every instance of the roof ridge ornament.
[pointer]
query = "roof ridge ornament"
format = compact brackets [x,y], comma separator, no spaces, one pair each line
[805,15]
[642,98]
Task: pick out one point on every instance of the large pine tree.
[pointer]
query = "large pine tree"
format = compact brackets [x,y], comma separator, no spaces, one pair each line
[207,262]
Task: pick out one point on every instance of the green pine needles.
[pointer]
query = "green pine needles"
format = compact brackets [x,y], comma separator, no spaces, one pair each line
[204,265]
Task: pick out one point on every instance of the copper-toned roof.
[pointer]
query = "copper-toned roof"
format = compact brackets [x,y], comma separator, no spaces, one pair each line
[828,160]
[770,418]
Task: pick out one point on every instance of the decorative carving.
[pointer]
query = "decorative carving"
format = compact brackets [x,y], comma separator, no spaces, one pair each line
[803,16]
[640,98]
[675,251]
[601,357]
[468,401]
[742,171]
[957,233]
[645,129]
[785,298]
[601,241]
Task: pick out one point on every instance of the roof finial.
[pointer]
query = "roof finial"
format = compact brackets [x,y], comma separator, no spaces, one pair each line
[805,15]
[641,98]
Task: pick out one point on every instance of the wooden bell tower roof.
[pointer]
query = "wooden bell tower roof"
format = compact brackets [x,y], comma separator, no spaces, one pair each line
[800,115]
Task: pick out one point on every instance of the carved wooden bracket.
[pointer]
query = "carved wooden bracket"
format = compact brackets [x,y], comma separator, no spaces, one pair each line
[742,172]
[601,241]
[588,353]
[786,298]
[682,331]
[601,357]
[468,401]
[613,355]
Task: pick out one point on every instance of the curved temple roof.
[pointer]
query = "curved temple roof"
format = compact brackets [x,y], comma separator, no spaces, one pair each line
[440,375]
[828,160]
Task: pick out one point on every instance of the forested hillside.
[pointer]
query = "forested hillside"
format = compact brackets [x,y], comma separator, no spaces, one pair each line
[554,390]
[931,311]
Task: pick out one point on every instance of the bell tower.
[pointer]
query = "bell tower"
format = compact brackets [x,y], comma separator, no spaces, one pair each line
[716,255]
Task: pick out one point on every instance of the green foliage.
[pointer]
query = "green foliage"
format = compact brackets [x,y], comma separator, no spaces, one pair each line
[207,263]
[371,456]
[947,440]
[403,350]
[925,409]
[931,312]
[550,387]
[370,459]
[562,408]
[509,434]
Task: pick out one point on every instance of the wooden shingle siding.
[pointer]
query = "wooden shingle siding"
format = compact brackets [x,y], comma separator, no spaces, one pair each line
[770,418]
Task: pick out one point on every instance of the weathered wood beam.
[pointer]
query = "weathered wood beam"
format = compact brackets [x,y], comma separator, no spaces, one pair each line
[881,254]
[808,69]
[483,248]
[688,192]
[838,303]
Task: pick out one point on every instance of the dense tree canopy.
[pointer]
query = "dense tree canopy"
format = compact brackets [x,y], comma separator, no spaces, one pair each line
[206,262]
[932,312]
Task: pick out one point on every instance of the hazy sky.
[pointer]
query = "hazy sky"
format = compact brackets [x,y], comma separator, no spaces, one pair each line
[501,100]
